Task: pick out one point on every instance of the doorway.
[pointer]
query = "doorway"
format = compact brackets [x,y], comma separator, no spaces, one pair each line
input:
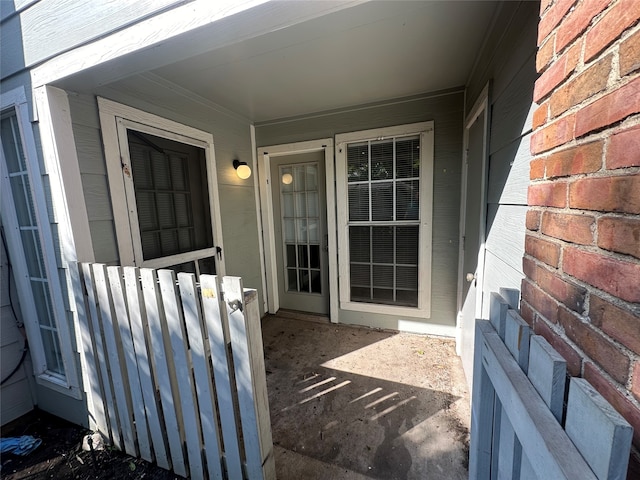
[299,227]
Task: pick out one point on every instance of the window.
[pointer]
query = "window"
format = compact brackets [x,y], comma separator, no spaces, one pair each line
[384,208]
[27,229]
[162,177]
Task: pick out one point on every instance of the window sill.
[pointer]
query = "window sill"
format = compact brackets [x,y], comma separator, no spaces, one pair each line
[382,309]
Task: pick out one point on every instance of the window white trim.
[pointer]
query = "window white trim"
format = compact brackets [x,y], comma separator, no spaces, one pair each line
[269,236]
[69,385]
[425,130]
[115,119]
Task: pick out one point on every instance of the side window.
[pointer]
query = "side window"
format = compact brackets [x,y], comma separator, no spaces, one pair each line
[384,203]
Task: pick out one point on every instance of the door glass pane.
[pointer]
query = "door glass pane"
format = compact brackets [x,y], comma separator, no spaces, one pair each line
[300,225]
[316,281]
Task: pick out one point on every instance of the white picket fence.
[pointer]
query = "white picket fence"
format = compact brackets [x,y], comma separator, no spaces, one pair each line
[520,428]
[174,370]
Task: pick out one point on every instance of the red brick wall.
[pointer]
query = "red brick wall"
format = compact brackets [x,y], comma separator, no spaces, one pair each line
[582,249]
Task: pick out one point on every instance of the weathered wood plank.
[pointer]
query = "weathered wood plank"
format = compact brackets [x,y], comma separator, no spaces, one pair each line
[204,390]
[510,450]
[129,352]
[175,324]
[498,312]
[90,376]
[106,395]
[550,451]
[215,312]
[482,411]
[112,344]
[516,337]
[605,439]
[547,373]
[244,344]
[161,359]
[138,322]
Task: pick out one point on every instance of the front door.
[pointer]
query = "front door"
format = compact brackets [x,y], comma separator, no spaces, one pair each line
[299,217]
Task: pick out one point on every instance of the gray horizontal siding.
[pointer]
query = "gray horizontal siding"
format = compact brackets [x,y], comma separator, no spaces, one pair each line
[446,110]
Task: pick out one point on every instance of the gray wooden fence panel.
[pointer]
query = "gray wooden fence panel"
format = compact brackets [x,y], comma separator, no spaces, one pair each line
[128,351]
[123,407]
[604,440]
[551,453]
[547,373]
[215,313]
[137,317]
[175,324]
[162,358]
[516,338]
[498,312]
[204,388]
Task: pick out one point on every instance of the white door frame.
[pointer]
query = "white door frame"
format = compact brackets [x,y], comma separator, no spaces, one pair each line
[480,107]
[264,155]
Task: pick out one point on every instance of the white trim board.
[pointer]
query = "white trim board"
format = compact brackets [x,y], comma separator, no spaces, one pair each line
[268,234]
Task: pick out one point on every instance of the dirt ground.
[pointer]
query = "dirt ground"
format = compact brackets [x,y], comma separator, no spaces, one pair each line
[60,455]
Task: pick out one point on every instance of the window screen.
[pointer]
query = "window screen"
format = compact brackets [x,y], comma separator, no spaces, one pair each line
[383,220]
[172,198]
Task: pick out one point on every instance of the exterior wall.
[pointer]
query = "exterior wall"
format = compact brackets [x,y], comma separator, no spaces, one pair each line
[582,262]
[232,139]
[16,392]
[446,110]
[508,61]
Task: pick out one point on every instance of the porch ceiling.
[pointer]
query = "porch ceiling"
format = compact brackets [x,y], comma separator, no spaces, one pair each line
[362,54]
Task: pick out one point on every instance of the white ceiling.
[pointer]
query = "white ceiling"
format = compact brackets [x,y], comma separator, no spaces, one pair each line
[366,53]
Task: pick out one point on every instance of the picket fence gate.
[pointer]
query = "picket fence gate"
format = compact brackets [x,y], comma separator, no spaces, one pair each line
[174,370]
[520,428]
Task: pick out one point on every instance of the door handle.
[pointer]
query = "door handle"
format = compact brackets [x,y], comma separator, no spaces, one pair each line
[471,277]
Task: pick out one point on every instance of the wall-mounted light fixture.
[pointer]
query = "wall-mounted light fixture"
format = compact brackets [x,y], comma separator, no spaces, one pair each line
[287,178]
[242,169]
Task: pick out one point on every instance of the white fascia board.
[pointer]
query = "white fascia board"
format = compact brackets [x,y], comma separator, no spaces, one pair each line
[163,31]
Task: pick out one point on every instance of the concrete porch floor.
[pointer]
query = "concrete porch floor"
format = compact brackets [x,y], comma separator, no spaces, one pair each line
[356,403]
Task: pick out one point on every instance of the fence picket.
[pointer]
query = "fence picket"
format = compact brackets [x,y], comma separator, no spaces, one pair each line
[126,341]
[136,316]
[605,440]
[113,355]
[206,403]
[161,360]
[215,313]
[186,392]
[91,378]
[547,373]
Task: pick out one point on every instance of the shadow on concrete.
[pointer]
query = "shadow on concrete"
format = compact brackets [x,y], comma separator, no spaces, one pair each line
[362,403]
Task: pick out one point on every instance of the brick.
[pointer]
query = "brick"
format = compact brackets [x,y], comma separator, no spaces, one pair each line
[573,358]
[586,158]
[544,250]
[552,17]
[527,313]
[571,228]
[614,276]
[588,83]
[553,134]
[540,115]
[606,194]
[577,21]
[630,54]
[616,322]
[609,109]
[571,295]
[618,400]
[551,194]
[536,169]
[624,148]
[544,4]
[545,54]
[596,346]
[560,69]
[615,21]
[540,301]
[620,234]
[533,220]
[635,381]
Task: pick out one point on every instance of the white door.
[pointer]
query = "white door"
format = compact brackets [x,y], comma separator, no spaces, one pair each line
[473,232]
[299,223]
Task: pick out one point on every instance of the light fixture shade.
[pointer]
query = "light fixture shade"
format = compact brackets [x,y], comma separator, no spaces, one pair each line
[242,169]
[287,178]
